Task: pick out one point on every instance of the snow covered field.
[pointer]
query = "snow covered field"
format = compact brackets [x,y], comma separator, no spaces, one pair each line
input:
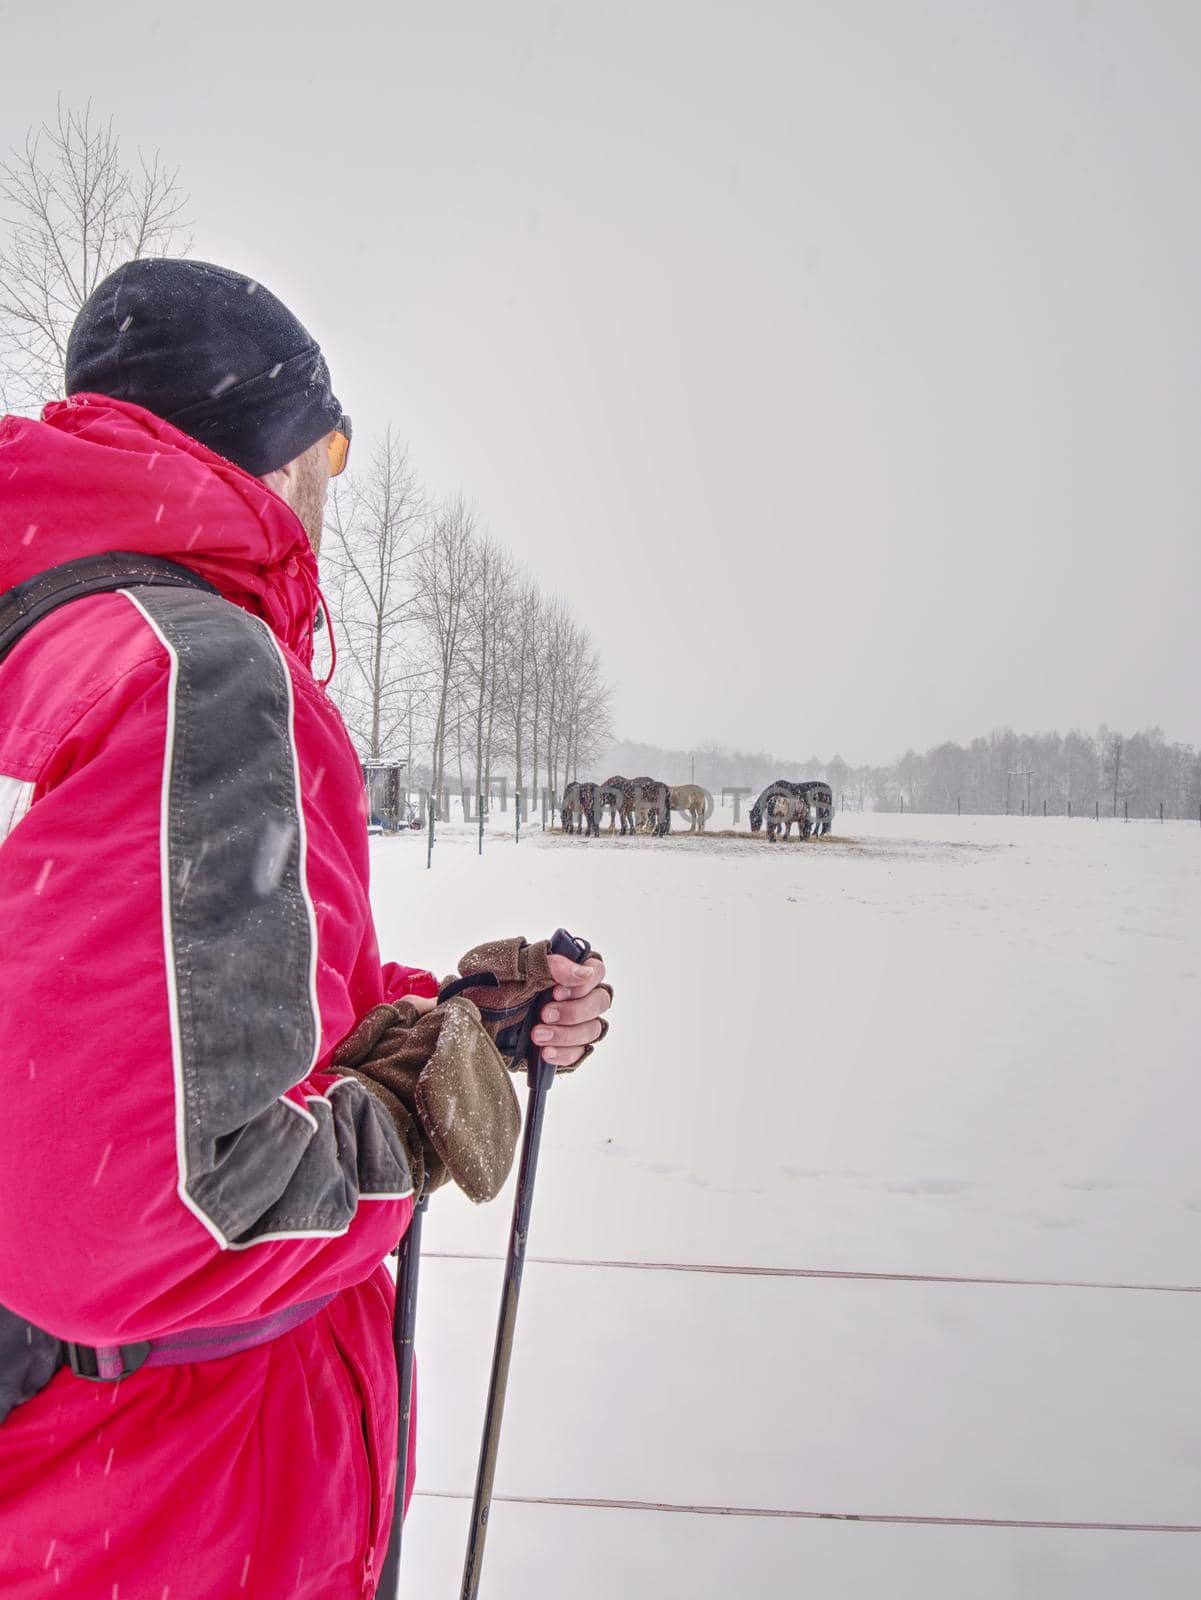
[956,1048]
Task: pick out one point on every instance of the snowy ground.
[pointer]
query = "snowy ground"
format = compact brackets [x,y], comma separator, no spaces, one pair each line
[959,1048]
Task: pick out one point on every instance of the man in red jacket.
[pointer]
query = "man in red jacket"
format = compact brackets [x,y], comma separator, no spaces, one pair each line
[194,1208]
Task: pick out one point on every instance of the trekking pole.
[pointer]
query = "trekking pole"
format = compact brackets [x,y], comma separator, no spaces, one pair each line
[404,1321]
[540,1077]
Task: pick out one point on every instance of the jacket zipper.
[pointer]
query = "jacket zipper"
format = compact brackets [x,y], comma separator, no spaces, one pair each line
[359,1385]
[373,1520]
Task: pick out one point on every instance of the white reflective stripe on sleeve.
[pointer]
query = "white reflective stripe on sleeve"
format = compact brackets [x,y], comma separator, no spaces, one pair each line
[16,796]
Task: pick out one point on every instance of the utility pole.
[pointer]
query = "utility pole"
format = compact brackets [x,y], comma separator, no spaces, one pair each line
[1020,772]
[1117,767]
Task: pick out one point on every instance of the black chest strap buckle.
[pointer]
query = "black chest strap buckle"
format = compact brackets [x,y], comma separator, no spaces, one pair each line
[84,1360]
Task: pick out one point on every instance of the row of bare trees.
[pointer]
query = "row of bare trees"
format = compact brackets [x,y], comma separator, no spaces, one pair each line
[451,659]
[1111,773]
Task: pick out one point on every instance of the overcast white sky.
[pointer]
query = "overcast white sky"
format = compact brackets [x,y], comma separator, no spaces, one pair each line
[838,362]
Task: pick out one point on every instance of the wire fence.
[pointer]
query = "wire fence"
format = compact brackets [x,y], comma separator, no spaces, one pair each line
[786,1513]
[838,1274]
[804,1514]
[1096,810]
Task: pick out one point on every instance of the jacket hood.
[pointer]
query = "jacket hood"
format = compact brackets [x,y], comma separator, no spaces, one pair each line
[97,474]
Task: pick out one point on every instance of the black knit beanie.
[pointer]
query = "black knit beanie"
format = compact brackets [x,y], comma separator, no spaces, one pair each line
[210,351]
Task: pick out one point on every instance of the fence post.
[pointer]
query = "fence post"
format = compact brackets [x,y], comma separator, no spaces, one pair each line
[1125,811]
[1096,811]
[429,849]
[1161,811]
[517,799]
[1069,810]
[958,808]
[1044,808]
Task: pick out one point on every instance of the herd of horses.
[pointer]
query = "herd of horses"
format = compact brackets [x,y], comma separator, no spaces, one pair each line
[645,805]
[638,804]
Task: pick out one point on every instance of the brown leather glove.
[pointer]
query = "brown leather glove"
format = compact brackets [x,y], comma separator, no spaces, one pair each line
[518,984]
[445,1088]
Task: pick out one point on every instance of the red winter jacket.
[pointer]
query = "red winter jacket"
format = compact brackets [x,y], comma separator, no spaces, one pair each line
[186,938]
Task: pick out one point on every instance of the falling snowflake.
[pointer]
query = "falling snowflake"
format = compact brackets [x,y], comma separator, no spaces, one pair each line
[108,1150]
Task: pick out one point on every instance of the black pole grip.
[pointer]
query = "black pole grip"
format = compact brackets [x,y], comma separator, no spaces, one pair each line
[566,944]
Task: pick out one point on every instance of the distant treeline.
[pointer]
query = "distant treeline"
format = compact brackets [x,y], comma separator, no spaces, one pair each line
[1114,773]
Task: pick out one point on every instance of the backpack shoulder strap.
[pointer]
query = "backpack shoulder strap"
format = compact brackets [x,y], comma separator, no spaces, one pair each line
[27,603]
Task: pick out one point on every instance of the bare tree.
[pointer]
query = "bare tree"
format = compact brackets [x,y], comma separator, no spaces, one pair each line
[378,520]
[486,604]
[537,678]
[71,211]
[585,700]
[1116,760]
[443,569]
[519,660]
[553,644]
[592,719]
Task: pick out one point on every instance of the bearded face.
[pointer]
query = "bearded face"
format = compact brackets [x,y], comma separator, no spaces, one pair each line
[308,490]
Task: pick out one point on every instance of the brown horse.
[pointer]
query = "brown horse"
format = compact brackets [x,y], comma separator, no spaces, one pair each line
[691,799]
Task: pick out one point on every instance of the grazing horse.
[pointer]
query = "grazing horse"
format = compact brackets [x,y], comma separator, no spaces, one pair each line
[579,806]
[617,796]
[691,799]
[781,811]
[818,794]
[652,805]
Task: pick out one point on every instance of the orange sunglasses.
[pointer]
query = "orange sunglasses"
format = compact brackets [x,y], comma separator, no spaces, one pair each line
[339,447]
